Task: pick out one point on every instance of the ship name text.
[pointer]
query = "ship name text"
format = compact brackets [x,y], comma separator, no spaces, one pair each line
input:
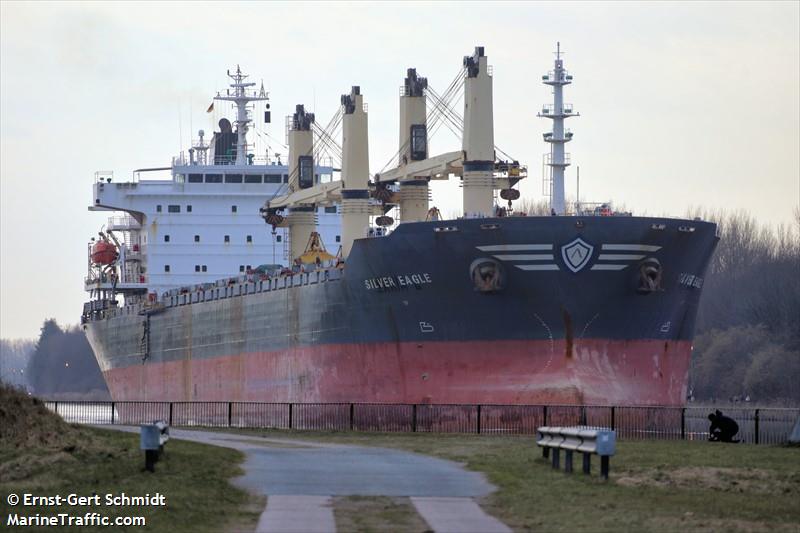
[398,282]
[690,280]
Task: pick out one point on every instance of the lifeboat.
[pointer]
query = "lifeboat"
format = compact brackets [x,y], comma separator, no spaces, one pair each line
[104,253]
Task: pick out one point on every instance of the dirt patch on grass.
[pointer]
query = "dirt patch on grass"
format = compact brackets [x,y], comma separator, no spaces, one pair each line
[690,522]
[750,480]
[367,514]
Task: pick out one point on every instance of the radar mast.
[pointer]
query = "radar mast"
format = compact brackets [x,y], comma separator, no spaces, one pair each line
[556,161]
[241,97]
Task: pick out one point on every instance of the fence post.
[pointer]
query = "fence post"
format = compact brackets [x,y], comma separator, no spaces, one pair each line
[170,414]
[479,420]
[352,415]
[756,421]
[290,416]
[414,418]
[230,413]
[683,423]
[112,413]
[544,411]
[613,418]
[56,407]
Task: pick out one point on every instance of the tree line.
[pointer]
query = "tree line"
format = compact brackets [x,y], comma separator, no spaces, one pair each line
[62,365]
[747,339]
[14,356]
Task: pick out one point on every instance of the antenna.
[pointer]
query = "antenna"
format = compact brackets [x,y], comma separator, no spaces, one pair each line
[180,128]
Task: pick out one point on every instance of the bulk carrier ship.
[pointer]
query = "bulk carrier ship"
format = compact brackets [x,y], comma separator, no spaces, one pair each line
[584,306]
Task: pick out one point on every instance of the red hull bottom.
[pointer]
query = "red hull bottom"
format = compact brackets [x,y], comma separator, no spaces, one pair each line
[591,371]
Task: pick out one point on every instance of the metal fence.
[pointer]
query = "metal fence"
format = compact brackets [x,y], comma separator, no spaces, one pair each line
[756,426]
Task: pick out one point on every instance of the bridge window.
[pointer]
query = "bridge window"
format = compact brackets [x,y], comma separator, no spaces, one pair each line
[330,209]
[205,268]
[272,178]
[249,238]
[166,238]
[233,209]
[189,208]
[213,178]
[286,178]
[158,209]
[252,178]
[166,268]
[241,268]
[195,178]
[233,178]
[174,208]
[197,268]
[227,238]
[278,238]
[197,238]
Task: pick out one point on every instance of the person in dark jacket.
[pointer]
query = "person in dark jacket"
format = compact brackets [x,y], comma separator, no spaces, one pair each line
[723,428]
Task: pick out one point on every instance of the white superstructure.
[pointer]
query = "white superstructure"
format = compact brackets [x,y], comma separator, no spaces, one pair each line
[202,224]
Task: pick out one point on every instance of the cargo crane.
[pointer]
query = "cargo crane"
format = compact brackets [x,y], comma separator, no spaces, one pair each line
[406,185]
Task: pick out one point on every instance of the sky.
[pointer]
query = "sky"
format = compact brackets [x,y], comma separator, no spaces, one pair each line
[683,104]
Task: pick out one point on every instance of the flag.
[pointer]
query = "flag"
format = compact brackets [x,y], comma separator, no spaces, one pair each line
[210,108]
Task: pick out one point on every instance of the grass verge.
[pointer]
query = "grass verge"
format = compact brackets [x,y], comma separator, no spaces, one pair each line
[654,485]
[43,456]
[376,514]
[192,477]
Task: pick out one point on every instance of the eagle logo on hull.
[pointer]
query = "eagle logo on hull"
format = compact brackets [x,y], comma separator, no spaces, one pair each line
[577,254]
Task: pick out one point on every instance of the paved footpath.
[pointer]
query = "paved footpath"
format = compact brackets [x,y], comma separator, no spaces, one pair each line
[300,477]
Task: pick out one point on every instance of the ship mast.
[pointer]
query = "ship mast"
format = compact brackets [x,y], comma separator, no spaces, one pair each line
[556,161]
[241,97]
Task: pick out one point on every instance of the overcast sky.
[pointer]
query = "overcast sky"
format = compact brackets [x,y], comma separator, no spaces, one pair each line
[682,104]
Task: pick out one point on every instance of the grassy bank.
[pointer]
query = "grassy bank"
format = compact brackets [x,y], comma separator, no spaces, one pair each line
[41,455]
[665,486]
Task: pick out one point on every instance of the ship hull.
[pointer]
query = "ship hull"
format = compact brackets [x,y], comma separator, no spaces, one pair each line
[565,320]
[505,372]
